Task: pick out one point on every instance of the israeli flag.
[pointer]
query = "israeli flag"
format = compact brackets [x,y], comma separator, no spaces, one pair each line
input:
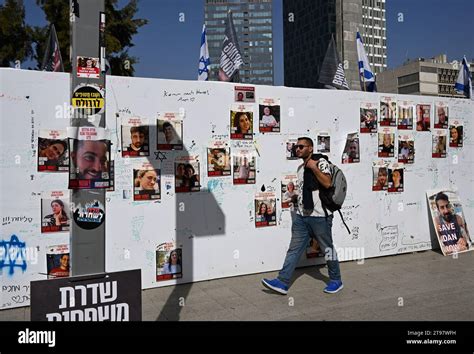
[463,84]
[367,77]
[204,61]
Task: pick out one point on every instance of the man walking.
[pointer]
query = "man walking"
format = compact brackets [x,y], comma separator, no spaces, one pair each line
[310,219]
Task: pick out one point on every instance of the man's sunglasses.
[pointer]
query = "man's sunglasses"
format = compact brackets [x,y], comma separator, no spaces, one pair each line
[301,147]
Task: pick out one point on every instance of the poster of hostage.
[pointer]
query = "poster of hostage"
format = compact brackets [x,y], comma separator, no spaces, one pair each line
[269,113]
[55,212]
[449,221]
[218,161]
[57,261]
[146,183]
[169,264]
[265,209]
[135,137]
[53,151]
[289,190]
[406,149]
[368,117]
[244,166]
[89,166]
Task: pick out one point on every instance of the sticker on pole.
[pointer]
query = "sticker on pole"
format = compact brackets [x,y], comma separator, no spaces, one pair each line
[88,99]
[90,216]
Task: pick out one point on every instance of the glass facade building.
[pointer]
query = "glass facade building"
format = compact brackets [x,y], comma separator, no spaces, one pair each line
[253,24]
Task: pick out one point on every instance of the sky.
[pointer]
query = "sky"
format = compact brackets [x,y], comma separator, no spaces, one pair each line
[169,48]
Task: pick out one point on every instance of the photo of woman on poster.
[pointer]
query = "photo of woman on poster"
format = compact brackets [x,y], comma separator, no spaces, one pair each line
[243,123]
[173,265]
[187,177]
[52,155]
[58,218]
[455,136]
[146,184]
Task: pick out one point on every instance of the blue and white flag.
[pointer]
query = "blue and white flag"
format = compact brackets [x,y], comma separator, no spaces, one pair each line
[204,61]
[463,84]
[366,75]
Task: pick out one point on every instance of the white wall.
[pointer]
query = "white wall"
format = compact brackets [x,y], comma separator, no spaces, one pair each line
[28,101]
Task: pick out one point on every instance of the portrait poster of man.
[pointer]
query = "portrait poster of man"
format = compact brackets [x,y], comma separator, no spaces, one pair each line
[323,142]
[406,149]
[269,115]
[88,67]
[405,115]
[53,153]
[89,166]
[218,161]
[169,263]
[388,112]
[265,209]
[55,211]
[244,94]
[57,261]
[244,162]
[396,179]
[289,190]
[423,117]
[313,250]
[441,115]
[135,137]
[146,183]
[351,149]
[386,139]
[170,131]
[379,176]
[187,177]
[290,149]
[449,221]
[456,133]
[439,143]
[368,117]
[241,122]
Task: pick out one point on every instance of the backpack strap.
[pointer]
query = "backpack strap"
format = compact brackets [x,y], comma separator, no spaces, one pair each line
[349,231]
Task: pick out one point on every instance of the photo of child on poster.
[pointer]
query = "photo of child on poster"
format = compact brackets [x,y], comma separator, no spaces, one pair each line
[368,118]
[146,184]
[423,117]
[395,178]
[57,261]
[55,212]
[388,112]
[439,144]
[244,167]
[456,134]
[218,162]
[269,115]
[241,122]
[289,191]
[135,137]
[441,115]
[351,150]
[290,149]
[169,264]
[324,143]
[265,209]
[379,176]
[405,115]
[53,155]
[170,131]
[449,221]
[187,177]
[386,143]
[89,166]
[244,94]
[406,149]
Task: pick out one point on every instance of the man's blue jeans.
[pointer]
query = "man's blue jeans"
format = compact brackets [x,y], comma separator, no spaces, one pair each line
[301,230]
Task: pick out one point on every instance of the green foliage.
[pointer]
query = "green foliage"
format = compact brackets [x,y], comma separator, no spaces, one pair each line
[15,35]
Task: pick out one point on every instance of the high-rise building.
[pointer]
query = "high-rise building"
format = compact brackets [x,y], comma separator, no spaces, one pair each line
[253,25]
[307,29]
[432,77]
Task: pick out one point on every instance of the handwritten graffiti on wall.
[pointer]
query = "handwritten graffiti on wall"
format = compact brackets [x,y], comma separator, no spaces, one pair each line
[13,255]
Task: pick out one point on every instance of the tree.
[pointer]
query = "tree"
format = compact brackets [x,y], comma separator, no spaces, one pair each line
[120,28]
[15,35]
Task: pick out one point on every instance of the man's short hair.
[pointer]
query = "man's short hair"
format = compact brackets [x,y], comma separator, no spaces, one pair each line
[441,196]
[308,140]
[139,129]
